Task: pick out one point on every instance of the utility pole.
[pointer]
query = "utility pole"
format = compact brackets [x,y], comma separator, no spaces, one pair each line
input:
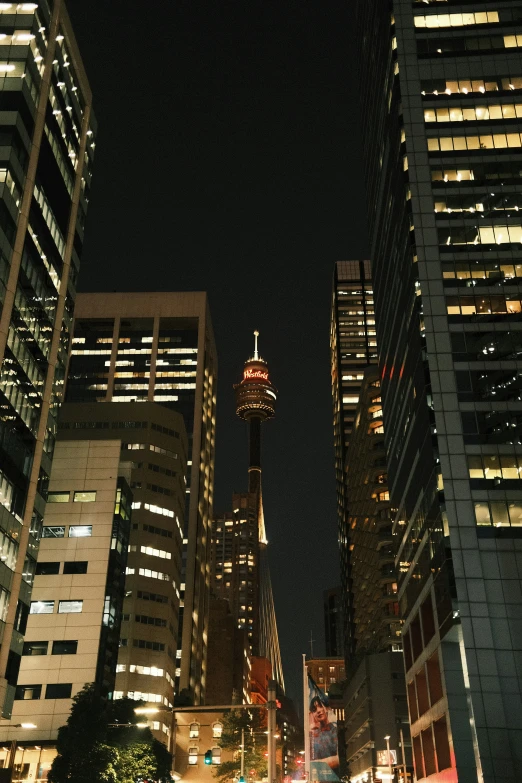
[242,776]
[390,771]
[271,708]
[405,771]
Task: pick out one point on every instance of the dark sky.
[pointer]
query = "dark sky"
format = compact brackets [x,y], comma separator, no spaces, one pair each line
[227,160]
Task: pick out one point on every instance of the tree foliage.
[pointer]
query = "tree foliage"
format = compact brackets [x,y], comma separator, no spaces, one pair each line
[254,725]
[100,742]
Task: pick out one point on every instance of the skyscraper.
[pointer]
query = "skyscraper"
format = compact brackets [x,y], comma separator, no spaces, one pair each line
[159,347]
[240,570]
[47,147]
[353,348]
[374,608]
[440,109]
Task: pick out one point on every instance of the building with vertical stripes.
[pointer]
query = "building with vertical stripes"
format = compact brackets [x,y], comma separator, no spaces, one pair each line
[158,348]
[441,119]
[47,138]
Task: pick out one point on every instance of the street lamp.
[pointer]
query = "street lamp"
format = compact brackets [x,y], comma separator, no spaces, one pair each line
[387,738]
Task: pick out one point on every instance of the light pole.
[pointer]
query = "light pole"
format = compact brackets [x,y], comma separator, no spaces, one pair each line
[387,738]
[271,708]
[242,777]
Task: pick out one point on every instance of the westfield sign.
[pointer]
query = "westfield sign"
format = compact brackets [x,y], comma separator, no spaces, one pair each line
[254,375]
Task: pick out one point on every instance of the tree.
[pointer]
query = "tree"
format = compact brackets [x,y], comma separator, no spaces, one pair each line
[254,725]
[100,742]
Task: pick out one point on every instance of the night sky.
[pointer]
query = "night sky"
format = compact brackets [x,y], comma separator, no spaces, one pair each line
[227,160]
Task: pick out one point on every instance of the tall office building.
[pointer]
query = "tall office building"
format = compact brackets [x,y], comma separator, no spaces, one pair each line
[375,623]
[441,104]
[46,152]
[240,570]
[154,448]
[353,347]
[234,563]
[159,347]
[73,628]
[372,640]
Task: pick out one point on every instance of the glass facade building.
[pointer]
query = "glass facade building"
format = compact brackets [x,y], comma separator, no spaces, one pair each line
[159,348]
[441,92]
[47,139]
[353,348]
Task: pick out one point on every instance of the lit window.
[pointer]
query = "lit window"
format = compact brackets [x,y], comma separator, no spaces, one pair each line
[456,20]
[80,531]
[193,755]
[70,607]
[28,692]
[194,730]
[41,607]
[217,730]
[58,497]
[216,755]
[84,497]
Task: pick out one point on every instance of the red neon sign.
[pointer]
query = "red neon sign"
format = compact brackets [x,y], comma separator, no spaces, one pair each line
[255,374]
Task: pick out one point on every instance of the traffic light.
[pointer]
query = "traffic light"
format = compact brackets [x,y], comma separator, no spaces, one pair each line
[241,780]
[208,757]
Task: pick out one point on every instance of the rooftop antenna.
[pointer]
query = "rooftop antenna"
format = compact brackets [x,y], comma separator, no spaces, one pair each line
[256,335]
[312,640]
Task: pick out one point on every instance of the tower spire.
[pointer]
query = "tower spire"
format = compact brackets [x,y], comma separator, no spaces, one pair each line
[256,335]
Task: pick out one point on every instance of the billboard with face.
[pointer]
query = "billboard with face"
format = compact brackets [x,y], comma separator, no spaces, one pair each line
[322,722]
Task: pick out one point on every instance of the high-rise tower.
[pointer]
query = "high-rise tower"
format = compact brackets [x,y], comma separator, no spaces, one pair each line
[255,403]
[46,153]
[353,348]
[158,347]
[441,123]
[240,570]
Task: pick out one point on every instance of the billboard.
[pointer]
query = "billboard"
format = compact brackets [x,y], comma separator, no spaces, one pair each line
[322,736]
[383,760]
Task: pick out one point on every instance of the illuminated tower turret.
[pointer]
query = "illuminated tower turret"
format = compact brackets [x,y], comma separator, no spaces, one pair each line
[255,402]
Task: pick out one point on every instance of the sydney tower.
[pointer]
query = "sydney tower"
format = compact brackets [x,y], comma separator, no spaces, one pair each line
[255,403]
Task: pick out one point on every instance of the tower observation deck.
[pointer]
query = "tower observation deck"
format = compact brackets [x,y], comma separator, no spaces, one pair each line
[255,403]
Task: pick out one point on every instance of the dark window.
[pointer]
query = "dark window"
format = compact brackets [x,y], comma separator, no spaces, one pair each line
[53,531]
[65,648]
[47,569]
[35,648]
[146,645]
[75,567]
[26,692]
[469,423]
[60,690]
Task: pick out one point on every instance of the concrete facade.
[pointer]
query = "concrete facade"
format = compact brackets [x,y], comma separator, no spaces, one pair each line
[159,347]
[154,449]
[76,607]
[376,706]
